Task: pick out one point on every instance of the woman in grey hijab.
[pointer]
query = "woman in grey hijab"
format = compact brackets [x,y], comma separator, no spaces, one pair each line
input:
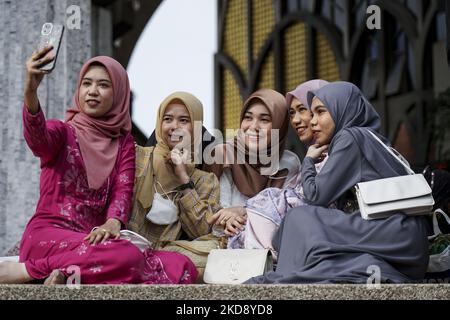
[322,243]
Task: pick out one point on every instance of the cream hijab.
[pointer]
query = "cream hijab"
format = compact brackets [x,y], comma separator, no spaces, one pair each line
[161,171]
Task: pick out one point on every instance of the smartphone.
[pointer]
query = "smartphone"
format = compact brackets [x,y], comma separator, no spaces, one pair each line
[51,35]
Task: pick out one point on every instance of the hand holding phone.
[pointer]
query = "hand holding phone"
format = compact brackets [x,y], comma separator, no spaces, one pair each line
[51,36]
[34,73]
[41,63]
[34,77]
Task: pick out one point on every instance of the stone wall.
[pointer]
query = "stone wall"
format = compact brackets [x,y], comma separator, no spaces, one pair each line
[20,25]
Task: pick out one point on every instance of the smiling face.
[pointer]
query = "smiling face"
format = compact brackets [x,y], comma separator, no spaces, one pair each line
[322,123]
[256,126]
[300,118]
[96,93]
[176,126]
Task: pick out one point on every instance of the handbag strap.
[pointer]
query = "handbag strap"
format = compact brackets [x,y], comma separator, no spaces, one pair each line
[408,169]
[189,248]
[436,229]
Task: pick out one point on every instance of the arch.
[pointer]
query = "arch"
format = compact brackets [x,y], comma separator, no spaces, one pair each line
[130,39]
[323,26]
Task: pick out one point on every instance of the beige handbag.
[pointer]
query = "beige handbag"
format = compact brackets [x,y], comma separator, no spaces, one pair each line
[234,266]
[409,194]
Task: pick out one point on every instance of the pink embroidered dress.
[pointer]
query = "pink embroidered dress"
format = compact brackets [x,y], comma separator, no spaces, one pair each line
[70,206]
[68,210]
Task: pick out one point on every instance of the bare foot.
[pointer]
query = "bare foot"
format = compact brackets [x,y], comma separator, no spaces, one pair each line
[13,272]
[56,277]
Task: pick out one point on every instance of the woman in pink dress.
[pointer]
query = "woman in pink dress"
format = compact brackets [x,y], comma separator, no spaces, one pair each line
[86,187]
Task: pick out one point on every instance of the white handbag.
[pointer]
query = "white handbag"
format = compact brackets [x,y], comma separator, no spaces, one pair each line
[136,239]
[409,194]
[234,266]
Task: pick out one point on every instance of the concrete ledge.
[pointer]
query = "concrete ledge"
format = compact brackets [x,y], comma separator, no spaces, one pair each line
[227,292]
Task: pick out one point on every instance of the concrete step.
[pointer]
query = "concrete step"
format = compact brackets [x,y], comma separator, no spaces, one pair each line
[227,292]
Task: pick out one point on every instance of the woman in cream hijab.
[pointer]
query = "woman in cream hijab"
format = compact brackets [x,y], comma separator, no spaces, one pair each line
[172,198]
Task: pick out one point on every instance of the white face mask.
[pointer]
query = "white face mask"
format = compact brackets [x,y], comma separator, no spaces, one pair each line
[163,211]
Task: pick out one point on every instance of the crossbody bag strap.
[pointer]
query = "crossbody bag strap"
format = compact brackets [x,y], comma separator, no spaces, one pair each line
[408,169]
[188,247]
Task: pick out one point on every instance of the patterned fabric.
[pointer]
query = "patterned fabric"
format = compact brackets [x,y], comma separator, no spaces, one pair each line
[68,210]
[194,207]
[230,196]
[265,212]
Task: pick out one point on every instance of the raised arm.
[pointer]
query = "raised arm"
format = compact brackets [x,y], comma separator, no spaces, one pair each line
[43,138]
[340,173]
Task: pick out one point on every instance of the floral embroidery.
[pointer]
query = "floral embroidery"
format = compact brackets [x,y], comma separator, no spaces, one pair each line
[82,249]
[119,206]
[42,243]
[72,153]
[154,270]
[124,178]
[186,276]
[96,268]
[63,245]
[65,209]
[85,207]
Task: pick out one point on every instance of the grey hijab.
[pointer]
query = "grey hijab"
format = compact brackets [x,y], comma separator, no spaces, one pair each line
[353,113]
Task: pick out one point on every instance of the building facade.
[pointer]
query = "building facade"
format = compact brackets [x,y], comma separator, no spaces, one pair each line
[401,67]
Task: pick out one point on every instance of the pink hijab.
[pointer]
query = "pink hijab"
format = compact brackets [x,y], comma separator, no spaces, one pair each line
[300,93]
[98,137]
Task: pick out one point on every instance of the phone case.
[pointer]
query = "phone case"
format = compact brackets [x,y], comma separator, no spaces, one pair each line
[51,34]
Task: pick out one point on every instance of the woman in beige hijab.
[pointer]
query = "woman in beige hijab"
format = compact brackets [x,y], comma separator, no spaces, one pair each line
[172,198]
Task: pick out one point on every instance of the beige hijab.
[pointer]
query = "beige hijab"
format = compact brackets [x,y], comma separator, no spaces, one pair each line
[161,171]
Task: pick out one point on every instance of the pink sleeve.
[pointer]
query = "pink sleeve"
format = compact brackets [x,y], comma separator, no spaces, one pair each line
[122,189]
[44,138]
